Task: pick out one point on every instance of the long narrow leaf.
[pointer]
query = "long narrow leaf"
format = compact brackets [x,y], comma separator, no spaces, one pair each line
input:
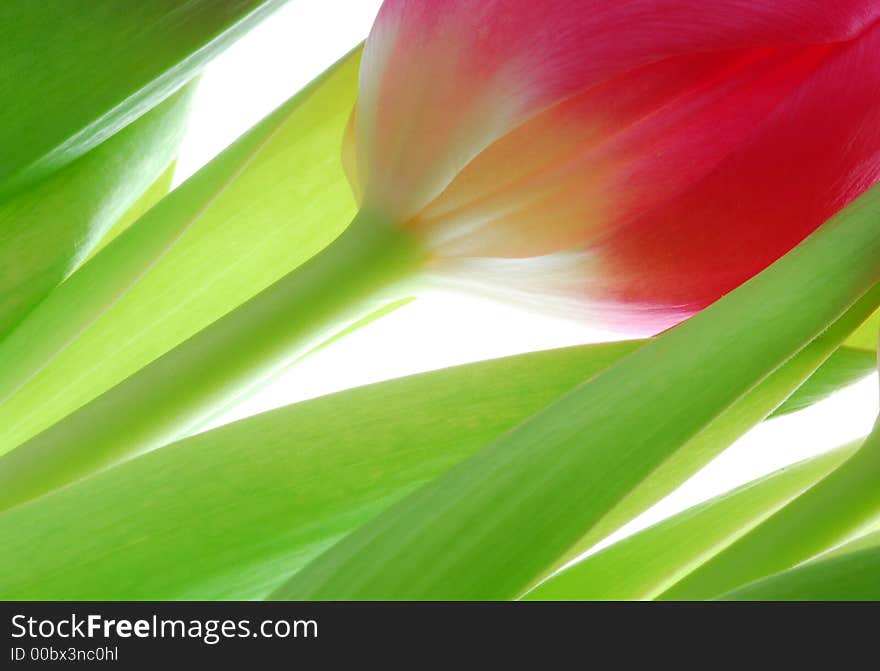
[846,366]
[74,73]
[645,564]
[308,474]
[798,375]
[830,512]
[156,192]
[385,440]
[48,229]
[852,573]
[865,337]
[261,208]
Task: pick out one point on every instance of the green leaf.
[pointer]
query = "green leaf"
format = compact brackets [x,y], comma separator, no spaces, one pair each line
[108,541]
[865,337]
[265,205]
[493,525]
[231,512]
[832,511]
[74,73]
[156,192]
[164,401]
[846,366]
[851,573]
[48,229]
[733,421]
[643,565]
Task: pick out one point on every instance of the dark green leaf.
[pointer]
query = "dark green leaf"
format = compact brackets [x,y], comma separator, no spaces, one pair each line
[74,72]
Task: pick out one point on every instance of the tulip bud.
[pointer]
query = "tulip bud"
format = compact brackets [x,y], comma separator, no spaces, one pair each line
[626,161]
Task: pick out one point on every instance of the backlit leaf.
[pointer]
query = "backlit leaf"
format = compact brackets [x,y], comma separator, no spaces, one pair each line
[261,208]
[73,73]
[48,229]
[643,565]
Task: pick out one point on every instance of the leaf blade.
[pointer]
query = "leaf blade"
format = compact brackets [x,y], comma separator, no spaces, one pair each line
[306,486]
[48,229]
[849,574]
[830,512]
[844,367]
[134,55]
[643,565]
[217,234]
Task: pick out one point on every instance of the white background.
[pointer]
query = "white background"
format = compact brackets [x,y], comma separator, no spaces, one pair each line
[278,58]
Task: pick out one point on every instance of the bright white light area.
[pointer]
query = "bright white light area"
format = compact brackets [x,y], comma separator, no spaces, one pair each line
[277,59]
[266,67]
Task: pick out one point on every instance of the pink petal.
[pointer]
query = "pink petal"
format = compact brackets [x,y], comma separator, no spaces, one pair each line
[442,80]
[816,151]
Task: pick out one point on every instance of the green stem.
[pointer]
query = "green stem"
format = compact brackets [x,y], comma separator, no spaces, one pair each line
[383,311]
[361,269]
[829,513]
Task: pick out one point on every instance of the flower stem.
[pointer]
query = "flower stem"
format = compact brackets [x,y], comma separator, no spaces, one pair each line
[364,267]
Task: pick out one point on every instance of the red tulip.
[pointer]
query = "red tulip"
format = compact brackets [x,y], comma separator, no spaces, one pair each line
[628,160]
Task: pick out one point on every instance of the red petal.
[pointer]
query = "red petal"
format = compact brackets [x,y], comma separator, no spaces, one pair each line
[814,153]
[442,80]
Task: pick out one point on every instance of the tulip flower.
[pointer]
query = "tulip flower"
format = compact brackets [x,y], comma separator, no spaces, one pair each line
[627,162]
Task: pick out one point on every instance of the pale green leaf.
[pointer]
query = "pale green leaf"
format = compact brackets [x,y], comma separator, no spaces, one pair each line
[385,440]
[230,513]
[48,229]
[261,208]
[832,511]
[852,573]
[799,374]
[156,192]
[846,366]
[359,273]
[645,564]
[865,337]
